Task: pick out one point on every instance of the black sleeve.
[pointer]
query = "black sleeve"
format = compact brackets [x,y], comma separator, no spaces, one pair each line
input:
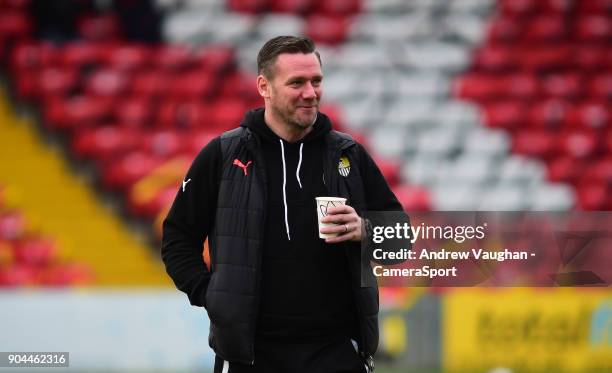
[189,222]
[379,197]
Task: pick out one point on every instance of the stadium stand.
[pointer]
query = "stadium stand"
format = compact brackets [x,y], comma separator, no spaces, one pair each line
[29,258]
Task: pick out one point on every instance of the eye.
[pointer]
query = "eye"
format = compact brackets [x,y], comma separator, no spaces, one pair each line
[316,82]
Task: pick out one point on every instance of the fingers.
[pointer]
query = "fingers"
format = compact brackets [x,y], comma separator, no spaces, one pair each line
[346,231]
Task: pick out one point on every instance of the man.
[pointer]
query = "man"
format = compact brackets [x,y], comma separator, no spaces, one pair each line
[279,298]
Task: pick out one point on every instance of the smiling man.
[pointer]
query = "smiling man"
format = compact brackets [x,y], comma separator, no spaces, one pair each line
[279,298]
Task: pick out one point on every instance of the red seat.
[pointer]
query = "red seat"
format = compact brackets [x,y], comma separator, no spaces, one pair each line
[327,29]
[600,86]
[103,27]
[595,6]
[15,23]
[478,87]
[389,169]
[35,251]
[550,114]
[504,30]
[106,82]
[120,175]
[218,59]
[591,115]
[183,114]
[337,7]
[594,28]
[225,115]
[593,196]
[80,54]
[134,112]
[195,84]
[495,59]
[544,58]
[128,57]
[105,142]
[590,57]
[64,274]
[579,144]
[196,140]
[80,111]
[162,143]
[413,198]
[240,85]
[568,85]
[546,29]
[247,6]
[13,224]
[534,143]
[505,114]
[150,84]
[334,112]
[565,169]
[57,82]
[30,56]
[173,57]
[291,6]
[519,7]
[19,276]
[521,86]
[599,171]
[27,84]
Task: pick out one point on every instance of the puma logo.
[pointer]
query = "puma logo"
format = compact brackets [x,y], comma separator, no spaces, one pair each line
[243,166]
[185,183]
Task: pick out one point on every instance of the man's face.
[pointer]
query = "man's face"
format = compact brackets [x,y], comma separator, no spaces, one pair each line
[295,90]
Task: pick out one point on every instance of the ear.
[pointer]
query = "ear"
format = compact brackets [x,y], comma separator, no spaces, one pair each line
[263,86]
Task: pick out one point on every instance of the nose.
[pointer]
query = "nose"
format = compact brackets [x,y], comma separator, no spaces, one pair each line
[309,91]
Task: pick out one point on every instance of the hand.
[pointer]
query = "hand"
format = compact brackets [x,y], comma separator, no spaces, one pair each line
[349,224]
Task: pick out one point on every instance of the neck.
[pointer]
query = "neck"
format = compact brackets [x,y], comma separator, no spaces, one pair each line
[284,130]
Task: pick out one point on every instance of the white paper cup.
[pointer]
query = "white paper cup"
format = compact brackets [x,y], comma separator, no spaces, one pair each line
[323,203]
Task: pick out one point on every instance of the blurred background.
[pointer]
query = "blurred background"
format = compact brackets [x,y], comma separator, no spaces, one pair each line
[464,104]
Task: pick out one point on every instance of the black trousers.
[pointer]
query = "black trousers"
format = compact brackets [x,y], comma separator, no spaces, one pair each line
[336,356]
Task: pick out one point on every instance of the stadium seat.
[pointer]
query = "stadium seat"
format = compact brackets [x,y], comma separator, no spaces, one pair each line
[173,57]
[128,57]
[504,30]
[568,85]
[579,143]
[106,83]
[496,59]
[600,86]
[134,112]
[506,114]
[183,114]
[56,82]
[534,143]
[150,84]
[300,7]
[413,198]
[546,29]
[327,29]
[594,28]
[247,6]
[105,143]
[128,169]
[566,169]
[104,27]
[337,8]
[194,84]
[82,54]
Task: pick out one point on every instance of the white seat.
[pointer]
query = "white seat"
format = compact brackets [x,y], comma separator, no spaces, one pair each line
[483,140]
[440,141]
[518,169]
[552,197]
[272,25]
[388,142]
[455,197]
[504,198]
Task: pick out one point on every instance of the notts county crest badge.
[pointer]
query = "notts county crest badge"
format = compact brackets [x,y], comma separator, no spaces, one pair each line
[344,166]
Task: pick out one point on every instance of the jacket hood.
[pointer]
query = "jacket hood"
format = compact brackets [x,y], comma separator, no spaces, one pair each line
[254,120]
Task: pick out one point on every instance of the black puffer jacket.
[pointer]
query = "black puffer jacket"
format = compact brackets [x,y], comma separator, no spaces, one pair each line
[228,204]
